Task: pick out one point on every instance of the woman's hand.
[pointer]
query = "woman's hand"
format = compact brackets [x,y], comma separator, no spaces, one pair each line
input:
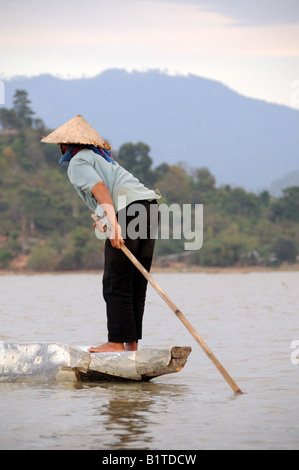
[116,238]
[100,226]
[115,234]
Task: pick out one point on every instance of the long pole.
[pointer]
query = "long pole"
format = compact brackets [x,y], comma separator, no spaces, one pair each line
[183,319]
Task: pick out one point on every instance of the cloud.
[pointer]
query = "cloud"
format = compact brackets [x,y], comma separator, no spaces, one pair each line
[249,13]
[161,27]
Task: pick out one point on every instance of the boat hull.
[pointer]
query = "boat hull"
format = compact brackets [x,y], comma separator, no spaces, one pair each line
[56,362]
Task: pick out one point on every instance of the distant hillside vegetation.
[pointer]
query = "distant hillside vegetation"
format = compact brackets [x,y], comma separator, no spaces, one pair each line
[277,187]
[44,225]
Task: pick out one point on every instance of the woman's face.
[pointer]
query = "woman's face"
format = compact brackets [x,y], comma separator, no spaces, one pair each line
[63,148]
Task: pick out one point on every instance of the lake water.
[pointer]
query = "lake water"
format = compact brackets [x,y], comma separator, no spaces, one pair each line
[250,321]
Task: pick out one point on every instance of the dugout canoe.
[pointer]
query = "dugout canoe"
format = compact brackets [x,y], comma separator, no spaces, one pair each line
[46,362]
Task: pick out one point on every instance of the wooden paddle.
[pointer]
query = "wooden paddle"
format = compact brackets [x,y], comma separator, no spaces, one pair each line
[182,317]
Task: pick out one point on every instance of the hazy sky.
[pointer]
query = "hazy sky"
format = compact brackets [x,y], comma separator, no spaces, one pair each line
[251,46]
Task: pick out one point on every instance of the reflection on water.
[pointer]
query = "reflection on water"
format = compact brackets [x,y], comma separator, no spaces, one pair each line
[131,411]
[248,320]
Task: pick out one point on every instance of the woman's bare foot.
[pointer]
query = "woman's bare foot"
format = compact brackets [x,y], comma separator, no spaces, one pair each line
[132,346]
[107,347]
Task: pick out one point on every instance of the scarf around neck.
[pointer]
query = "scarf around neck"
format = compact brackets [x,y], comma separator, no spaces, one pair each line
[72,151]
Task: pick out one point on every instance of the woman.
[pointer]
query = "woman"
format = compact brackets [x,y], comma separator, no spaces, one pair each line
[115,196]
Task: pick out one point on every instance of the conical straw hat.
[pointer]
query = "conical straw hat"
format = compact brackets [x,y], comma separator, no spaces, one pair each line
[76,131]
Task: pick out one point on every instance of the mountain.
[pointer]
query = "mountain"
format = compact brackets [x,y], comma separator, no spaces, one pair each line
[243,141]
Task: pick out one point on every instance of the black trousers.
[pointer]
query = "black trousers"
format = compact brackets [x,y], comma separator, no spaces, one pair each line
[124,287]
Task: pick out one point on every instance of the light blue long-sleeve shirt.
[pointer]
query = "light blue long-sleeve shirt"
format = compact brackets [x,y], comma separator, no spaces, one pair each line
[86,169]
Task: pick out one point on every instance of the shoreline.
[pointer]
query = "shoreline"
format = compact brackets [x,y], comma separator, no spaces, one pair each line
[173,268]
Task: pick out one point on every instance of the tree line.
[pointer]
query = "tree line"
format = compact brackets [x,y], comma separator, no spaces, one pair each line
[44,226]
